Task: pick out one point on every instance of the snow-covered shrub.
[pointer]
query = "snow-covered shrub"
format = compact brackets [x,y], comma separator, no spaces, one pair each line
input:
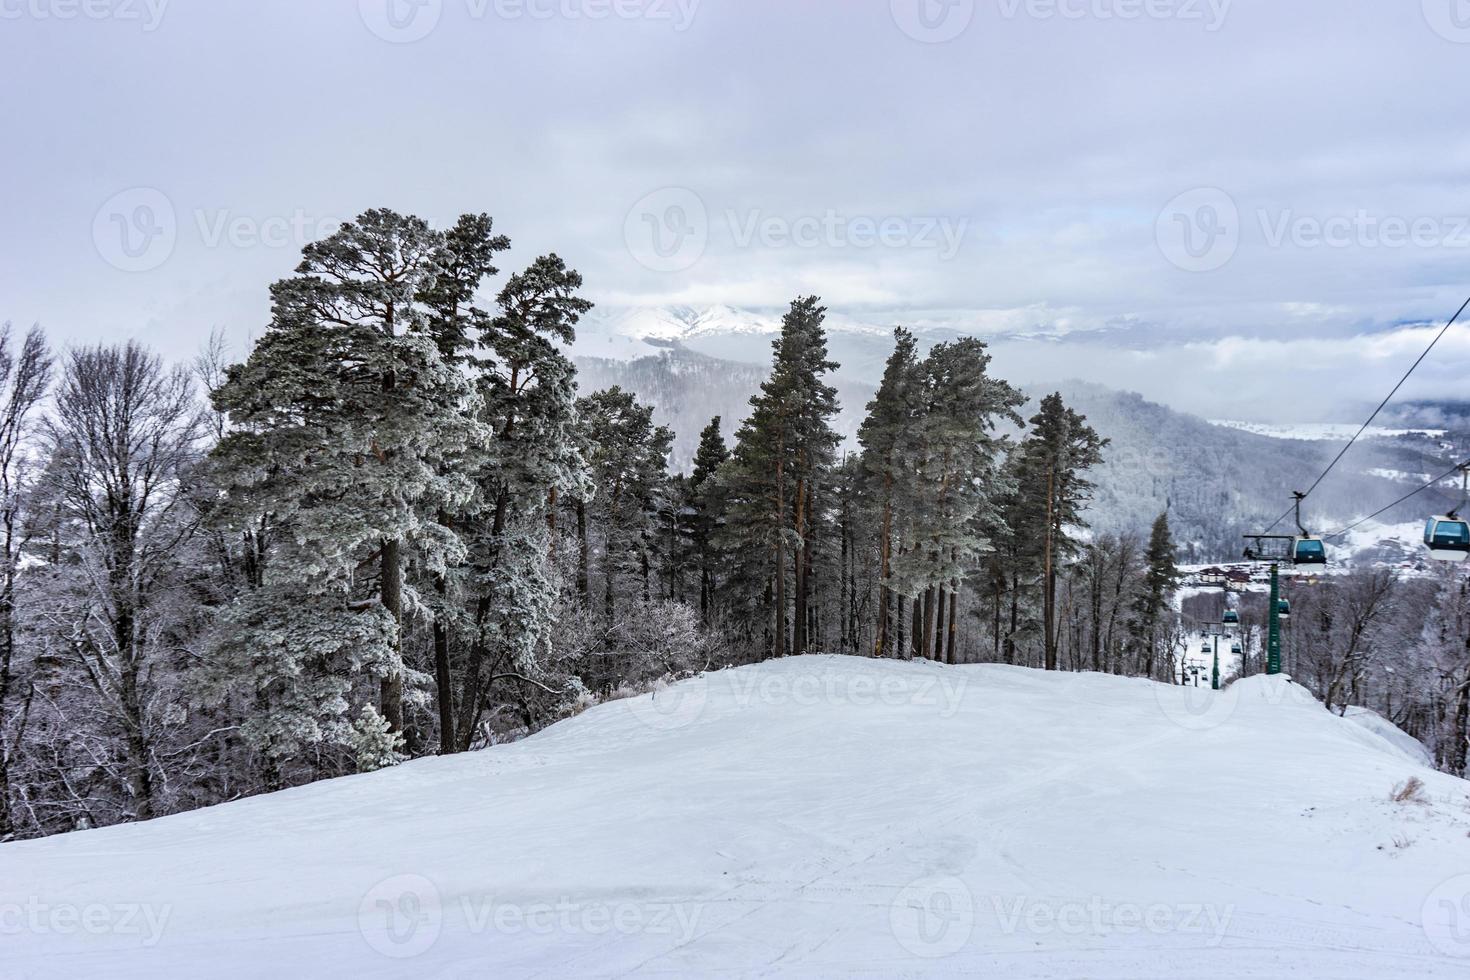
[374,744]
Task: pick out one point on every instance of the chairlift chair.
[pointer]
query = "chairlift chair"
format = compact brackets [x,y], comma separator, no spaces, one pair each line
[1448,537]
[1306,549]
[1302,548]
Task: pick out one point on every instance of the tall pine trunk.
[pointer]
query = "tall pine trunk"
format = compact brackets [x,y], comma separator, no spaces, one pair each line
[1015,615]
[813,636]
[445,686]
[391,595]
[885,554]
[952,631]
[936,644]
[584,586]
[1049,586]
[607,588]
[391,585]
[898,647]
[995,625]
[469,702]
[780,650]
[443,678]
[842,593]
[799,617]
[704,591]
[951,627]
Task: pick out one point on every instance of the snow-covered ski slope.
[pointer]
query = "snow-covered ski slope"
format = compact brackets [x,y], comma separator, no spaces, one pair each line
[814,816]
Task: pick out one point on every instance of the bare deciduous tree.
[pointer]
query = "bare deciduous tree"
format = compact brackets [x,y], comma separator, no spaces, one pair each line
[124,434]
[24,377]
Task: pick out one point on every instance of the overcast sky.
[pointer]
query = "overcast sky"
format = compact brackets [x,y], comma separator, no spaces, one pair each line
[1251,199]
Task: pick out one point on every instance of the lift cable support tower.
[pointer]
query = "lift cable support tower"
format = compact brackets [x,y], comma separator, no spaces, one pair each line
[1272,549]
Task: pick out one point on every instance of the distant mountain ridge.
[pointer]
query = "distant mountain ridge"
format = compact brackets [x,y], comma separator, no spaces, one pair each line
[860,347]
[1216,481]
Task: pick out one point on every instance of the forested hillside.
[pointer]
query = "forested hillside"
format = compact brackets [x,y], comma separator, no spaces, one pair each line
[1221,481]
[404,523]
[1216,480]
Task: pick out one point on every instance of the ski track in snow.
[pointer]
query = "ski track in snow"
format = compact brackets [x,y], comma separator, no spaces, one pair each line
[813,816]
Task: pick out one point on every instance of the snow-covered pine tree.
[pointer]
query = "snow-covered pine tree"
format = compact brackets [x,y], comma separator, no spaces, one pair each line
[1059,448]
[532,462]
[886,435]
[958,466]
[1160,579]
[708,459]
[772,480]
[345,416]
[628,460]
[458,326]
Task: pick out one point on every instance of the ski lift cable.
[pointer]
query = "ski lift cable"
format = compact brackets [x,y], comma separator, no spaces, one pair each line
[1458,467]
[1364,427]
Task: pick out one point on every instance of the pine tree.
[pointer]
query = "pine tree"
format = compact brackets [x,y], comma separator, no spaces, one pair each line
[710,456]
[1160,579]
[628,459]
[458,326]
[347,417]
[1017,560]
[956,458]
[780,456]
[532,462]
[1060,447]
[886,435]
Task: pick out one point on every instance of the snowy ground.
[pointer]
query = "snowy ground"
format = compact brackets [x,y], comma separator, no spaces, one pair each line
[812,816]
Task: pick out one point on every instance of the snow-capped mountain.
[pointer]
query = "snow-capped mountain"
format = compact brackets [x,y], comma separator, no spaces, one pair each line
[859,344]
[860,347]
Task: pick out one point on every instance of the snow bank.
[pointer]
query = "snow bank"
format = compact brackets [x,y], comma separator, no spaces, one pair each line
[812,816]
[1402,742]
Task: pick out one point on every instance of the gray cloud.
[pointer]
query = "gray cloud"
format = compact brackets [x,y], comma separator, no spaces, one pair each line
[1051,136]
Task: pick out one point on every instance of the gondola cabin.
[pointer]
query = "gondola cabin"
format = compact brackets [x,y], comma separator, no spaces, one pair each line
[1236,649]
[1231,618]
[1447,538]
[1308,551]
[1283,609]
